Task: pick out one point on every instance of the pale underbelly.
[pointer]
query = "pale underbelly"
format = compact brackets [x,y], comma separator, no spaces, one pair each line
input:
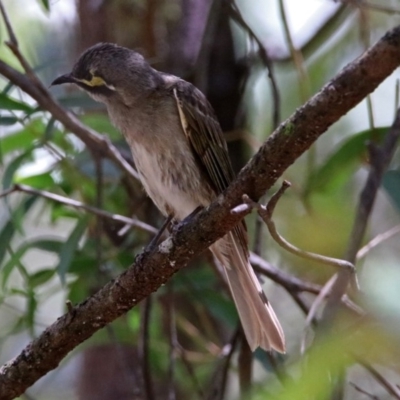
[173,183]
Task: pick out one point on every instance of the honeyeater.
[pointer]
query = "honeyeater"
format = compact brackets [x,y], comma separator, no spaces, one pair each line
[182,159]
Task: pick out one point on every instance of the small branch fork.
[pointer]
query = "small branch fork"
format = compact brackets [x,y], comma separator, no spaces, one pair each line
[265,213]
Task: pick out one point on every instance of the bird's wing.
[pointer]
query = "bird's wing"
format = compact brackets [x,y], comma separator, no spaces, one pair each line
[204,134]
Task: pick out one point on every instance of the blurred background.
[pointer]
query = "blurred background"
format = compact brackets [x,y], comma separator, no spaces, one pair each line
[256,61]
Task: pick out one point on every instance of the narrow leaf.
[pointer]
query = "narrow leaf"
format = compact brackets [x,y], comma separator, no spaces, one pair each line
[342,163]
[391,183]
[7,103]
[41,277]
[8,120]
[13,166]
[9,228]
[68,249]
[13,262]
[46,4]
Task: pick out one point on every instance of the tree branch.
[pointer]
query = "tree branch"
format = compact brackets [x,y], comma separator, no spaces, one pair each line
[193,235]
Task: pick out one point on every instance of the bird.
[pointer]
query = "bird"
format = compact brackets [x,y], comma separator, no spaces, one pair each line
[182,159]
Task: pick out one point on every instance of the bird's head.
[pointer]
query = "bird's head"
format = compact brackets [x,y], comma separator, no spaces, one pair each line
[109,72]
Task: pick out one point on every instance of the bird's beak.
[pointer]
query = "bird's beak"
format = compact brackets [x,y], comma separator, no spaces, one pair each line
[67,78]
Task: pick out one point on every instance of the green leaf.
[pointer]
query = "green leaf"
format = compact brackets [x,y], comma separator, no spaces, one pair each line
[78,290]
[69,247]
[8,87]
[391,183]
[7,103]
[49,131]
[9,228]
[60,211]
[13,166]
[41,277]
[40,181]
[31,310]
[83,263]
[9,266]
[50,245]
[18,292]
[22,139]
[9,120]
[46,4]
[342,163]
[5,237]
[15,259]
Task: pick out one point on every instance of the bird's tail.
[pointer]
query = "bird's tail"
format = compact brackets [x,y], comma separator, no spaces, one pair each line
[260,324]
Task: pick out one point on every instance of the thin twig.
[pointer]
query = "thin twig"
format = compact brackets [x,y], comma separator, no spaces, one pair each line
[300,302]
[266,213]
[143,346]
[297,57]
[263,53]
[284,279]
[10,31]
[79,205]
[245,364]
[324,293]
[98,234]
[391,389]
[8,191]
[258,235]
[372,6]
[356,387]
[302,75]
[128,374]
[377,240]
[220,377]
[190,371]
[173,344]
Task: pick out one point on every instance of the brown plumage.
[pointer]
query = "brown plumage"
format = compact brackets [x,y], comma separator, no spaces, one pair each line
[182,158]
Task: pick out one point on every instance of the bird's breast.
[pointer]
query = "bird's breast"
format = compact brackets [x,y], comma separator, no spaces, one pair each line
[171,177]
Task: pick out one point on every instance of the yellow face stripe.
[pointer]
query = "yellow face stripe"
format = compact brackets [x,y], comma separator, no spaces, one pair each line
[95,81]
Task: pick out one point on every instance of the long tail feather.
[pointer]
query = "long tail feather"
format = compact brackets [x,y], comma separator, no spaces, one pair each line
[260,324]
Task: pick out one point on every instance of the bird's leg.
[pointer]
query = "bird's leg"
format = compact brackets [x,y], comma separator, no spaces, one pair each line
[154,242]
[193,213]
[174,224]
